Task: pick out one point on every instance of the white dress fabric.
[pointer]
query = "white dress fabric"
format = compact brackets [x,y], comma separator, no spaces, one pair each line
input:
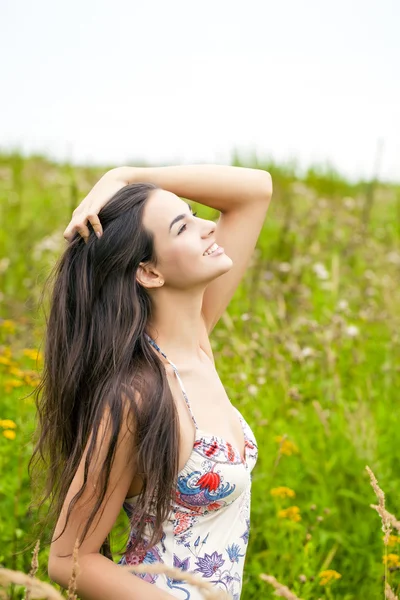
[207,530]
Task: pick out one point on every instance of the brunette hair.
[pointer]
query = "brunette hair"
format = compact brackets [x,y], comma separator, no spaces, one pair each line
[97,359]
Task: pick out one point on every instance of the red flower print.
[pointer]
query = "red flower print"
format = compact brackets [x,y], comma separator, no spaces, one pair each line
[210,481]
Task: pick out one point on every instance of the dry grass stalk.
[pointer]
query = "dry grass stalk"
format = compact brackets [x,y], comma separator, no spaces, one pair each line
[389,593]
[75,570]
[205,587]
[280,589]
[388,516]
[386,521]
[34,568]
[38,589]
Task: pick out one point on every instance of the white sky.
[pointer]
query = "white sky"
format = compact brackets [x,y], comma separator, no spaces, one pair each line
[175,82]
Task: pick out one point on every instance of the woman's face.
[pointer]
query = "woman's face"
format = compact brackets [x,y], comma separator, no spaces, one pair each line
[180,241]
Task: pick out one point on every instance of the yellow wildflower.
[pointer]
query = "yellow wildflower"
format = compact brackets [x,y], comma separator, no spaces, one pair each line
[9,384]
[393,540]
[328,576]
[32,381]
[286,446]
[17,372]
[292,513]
[6,351]
[7,424]
[8,325]
[32,353]
[4,360]
[392,560]
[283,492]
[9,434]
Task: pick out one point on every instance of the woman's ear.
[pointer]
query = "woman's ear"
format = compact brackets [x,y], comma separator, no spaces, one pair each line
[147,277]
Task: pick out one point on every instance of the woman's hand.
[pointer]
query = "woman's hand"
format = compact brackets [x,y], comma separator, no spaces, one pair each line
[91,205]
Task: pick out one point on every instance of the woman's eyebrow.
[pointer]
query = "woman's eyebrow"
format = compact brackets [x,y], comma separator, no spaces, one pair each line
[179,217]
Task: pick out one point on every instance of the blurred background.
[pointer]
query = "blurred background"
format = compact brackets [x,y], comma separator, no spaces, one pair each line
[155,81]
[309,347]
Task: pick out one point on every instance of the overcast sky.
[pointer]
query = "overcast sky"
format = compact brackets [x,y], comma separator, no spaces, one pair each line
[173,82]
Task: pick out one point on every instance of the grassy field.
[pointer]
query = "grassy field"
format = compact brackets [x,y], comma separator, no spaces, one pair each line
[308,351]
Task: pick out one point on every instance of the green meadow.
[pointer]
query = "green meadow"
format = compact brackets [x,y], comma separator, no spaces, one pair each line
[308,350]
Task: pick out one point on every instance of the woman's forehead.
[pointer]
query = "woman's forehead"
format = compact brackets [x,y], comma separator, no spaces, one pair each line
[160,210]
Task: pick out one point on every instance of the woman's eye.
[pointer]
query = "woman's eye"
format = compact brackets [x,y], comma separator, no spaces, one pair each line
[184,226]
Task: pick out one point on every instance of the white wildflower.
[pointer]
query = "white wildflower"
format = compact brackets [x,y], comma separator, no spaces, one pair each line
[307,351]
[252,389]
[284,267]
[320,271]
[342,305]
[352,330]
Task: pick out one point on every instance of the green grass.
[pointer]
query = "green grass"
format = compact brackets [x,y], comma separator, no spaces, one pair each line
[309,349]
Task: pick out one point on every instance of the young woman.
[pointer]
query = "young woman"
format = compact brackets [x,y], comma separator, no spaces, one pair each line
[133,412]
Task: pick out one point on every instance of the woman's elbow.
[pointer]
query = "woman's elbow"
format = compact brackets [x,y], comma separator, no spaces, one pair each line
[57,569]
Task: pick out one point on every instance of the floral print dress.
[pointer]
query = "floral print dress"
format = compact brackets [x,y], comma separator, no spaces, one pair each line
[207,530]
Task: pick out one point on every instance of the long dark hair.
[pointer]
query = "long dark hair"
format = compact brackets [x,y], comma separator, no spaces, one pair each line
[96,358]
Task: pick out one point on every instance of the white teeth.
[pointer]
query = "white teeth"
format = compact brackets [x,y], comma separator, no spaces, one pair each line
[211,250]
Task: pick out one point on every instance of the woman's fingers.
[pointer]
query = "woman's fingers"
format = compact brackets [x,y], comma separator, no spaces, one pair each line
[69,232]
[78,223]
[83,231]
[95,221]
[91,205]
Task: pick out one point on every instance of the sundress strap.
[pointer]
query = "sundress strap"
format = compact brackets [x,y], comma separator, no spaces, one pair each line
[153,343]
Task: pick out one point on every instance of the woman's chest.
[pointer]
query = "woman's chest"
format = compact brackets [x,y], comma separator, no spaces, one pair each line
[201,397]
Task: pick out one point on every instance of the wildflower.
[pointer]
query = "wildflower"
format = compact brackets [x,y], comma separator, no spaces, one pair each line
[286,446]
[342,305]
[307,351]
[7,424]
[292,513]
[8,326]
[9,384]
[32,381]
[284,267]
[320,271]
[9,434]
[352,330]
[32,353]
[328,576]
[392,560]
[4,360]
[393,540]
[283,492]
[16,372]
